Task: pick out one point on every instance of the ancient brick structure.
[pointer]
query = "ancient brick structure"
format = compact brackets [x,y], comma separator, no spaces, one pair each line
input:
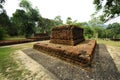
[40,36]
[80,54]
[68,34]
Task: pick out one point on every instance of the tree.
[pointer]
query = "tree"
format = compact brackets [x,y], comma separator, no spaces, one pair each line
[81,24]
[113,30]
[4,19]
[32,17]
[97,25]
[4,23]
[19,21]
[95,21]
[2,33]
[69,20]
[45,25]
[99,32]
[58,20]
[111,8]
[1,6]
[88,32]
[3,16]
[26,5]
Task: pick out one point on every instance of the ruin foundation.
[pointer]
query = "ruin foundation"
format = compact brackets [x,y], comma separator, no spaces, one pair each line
[68,43]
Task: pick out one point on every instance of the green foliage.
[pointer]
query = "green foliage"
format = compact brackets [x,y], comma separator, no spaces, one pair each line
[99,32]
[111,8]
[95,21]
[4,20]
[5,25]
[2,33]
[58,20]
[98,28]
[18,20]
[81,24]
[109,42]
[118,36]
[28,21]
[25,4]
[69,20]
[92,29]
[45,25]
[88,32]
[29,29]
[24,21]
[113,30]
[14,38]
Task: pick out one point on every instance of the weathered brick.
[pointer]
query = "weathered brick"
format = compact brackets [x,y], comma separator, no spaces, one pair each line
[68,34]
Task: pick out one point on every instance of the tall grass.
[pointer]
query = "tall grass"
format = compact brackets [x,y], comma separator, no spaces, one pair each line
[109,42]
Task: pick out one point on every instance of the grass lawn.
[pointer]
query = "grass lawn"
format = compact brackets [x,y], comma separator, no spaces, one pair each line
[15,38]
[9,68]
[109,42]
[115,44]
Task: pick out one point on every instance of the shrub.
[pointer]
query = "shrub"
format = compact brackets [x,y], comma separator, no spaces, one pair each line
[2,33]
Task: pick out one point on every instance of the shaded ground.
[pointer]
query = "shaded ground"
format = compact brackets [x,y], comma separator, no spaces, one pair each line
[36,71]
[115,54]
[103,67]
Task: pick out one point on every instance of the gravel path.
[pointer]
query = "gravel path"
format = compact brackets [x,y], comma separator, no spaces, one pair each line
[103,67]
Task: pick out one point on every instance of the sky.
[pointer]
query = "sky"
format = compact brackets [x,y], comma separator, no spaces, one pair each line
[76,9]
[79,10]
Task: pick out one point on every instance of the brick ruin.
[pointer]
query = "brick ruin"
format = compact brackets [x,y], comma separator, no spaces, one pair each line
[70,35]
[40,36]
[68,43]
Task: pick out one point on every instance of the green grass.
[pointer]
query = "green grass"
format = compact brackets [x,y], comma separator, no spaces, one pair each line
[109,42]
[8,66]
[15,38]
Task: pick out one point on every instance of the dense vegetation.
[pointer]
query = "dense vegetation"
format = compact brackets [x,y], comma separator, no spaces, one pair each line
[110,8]
[96,29]
[27,21]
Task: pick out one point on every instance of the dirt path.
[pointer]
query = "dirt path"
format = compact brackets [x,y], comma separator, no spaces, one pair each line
[22,45]
[37,71]
[103,67]
[115,54]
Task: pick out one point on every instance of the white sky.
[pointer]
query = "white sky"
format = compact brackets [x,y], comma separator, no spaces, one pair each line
[76,9]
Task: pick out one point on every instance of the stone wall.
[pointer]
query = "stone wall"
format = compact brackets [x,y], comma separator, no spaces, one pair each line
[68,34]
